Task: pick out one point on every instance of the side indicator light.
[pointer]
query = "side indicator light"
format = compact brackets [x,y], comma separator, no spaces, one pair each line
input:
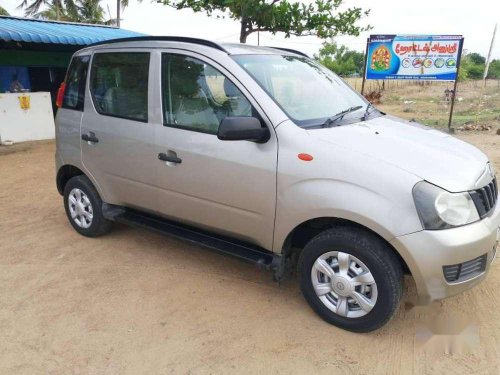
[305,157]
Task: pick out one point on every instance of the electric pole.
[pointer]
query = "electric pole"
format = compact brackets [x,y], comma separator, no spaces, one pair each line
[118,6]
[489,55]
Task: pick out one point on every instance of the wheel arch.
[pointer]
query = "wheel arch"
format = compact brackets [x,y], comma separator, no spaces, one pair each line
[304,232]
[64,174]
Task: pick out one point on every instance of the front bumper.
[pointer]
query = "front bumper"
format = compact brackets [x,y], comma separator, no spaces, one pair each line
[426,252]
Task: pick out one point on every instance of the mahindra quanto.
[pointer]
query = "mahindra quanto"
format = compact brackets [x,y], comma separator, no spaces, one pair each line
[264,154]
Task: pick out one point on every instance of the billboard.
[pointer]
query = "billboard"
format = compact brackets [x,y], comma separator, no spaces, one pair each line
[417,57]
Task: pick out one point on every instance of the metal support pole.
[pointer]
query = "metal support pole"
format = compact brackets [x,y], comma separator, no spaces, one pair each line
[461,43]
[118,6]
[364,67]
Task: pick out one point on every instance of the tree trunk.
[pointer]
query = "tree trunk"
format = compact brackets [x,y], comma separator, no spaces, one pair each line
[243,31]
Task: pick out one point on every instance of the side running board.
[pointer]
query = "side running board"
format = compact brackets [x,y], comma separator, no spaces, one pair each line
[220,244]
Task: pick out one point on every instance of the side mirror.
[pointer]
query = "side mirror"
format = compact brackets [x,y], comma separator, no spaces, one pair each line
[242,129]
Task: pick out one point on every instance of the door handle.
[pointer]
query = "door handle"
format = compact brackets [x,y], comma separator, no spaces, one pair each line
[169,158]
[91,138]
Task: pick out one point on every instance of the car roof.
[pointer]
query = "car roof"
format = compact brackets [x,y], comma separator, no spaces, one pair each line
[245,49]
[164,41]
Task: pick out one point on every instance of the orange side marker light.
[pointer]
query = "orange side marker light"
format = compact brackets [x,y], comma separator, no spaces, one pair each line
[305,157]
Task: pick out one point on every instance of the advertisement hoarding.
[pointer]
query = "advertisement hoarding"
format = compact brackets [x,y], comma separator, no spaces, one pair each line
[415,57]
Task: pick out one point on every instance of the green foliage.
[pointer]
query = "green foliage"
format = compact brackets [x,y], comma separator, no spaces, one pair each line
[89,11]
[86,11]
[475,71]
[476,58]
[3,12]
[321,17]
[31,8]
[494,70]
[471,66]
[340,59]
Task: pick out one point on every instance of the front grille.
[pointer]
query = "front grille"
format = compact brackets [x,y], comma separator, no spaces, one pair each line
[485,198]
[466,270]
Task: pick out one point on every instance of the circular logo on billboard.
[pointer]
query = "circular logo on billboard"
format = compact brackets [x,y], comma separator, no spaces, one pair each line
[417,63]
[427,63]
[439,63]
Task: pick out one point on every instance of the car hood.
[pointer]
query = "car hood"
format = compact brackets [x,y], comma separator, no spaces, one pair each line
[427,153]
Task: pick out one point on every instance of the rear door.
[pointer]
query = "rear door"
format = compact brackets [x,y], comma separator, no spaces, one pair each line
[117,136]
[224,186]
[69,116]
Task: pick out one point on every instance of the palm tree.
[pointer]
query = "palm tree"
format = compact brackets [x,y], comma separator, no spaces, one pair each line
[3,12]
[85,11]
[57,7]
[89,11]
[52,12]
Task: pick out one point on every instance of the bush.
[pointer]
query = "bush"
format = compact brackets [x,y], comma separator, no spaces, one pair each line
[341,59]
[494,70]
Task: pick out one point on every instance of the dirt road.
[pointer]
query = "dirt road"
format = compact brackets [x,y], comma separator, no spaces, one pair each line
[135,302]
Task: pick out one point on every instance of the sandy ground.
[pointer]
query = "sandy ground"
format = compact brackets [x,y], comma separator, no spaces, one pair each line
[135,302]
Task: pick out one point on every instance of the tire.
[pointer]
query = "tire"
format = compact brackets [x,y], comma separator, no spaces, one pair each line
[83,207]
[351,299]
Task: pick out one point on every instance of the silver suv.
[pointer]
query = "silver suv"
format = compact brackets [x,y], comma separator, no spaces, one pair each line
[264,154]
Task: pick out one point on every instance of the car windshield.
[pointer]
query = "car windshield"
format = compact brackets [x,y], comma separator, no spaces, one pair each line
[309,93]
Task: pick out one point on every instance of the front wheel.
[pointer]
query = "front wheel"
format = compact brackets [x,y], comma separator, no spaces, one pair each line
[351,278]
[83,207]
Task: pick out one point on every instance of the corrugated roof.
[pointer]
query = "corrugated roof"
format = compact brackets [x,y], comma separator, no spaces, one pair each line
[38,31]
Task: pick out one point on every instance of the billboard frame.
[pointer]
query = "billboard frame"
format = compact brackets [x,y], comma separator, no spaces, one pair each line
[455,81]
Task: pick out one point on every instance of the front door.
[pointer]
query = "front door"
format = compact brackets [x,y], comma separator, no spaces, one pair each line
[117,137]
[223,186]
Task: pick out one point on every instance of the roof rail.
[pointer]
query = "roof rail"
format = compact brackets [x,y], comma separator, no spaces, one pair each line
[182,39]
[291,50]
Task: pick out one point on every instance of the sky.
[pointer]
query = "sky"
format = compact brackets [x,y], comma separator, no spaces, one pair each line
[474,20]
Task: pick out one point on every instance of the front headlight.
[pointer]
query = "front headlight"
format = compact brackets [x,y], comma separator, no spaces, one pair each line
[440,209]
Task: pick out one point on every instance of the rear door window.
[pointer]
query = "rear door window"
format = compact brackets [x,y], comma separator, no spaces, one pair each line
[119,84]
[76,79]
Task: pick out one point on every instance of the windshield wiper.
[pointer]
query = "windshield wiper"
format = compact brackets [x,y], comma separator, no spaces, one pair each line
[368,107]
[339,116]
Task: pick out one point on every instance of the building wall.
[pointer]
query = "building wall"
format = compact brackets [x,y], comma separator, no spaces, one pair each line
[19,125]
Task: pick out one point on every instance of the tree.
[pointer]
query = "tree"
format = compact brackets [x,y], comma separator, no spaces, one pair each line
[33,8]
[340,59]
[3,12]
[494,70]
[87,11]
[321,18]
[53,12]
[475,71]
[476,58]
[472,66]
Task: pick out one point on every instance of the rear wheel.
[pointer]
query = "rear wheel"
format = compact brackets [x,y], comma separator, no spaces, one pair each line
[83,207]
[351,278]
